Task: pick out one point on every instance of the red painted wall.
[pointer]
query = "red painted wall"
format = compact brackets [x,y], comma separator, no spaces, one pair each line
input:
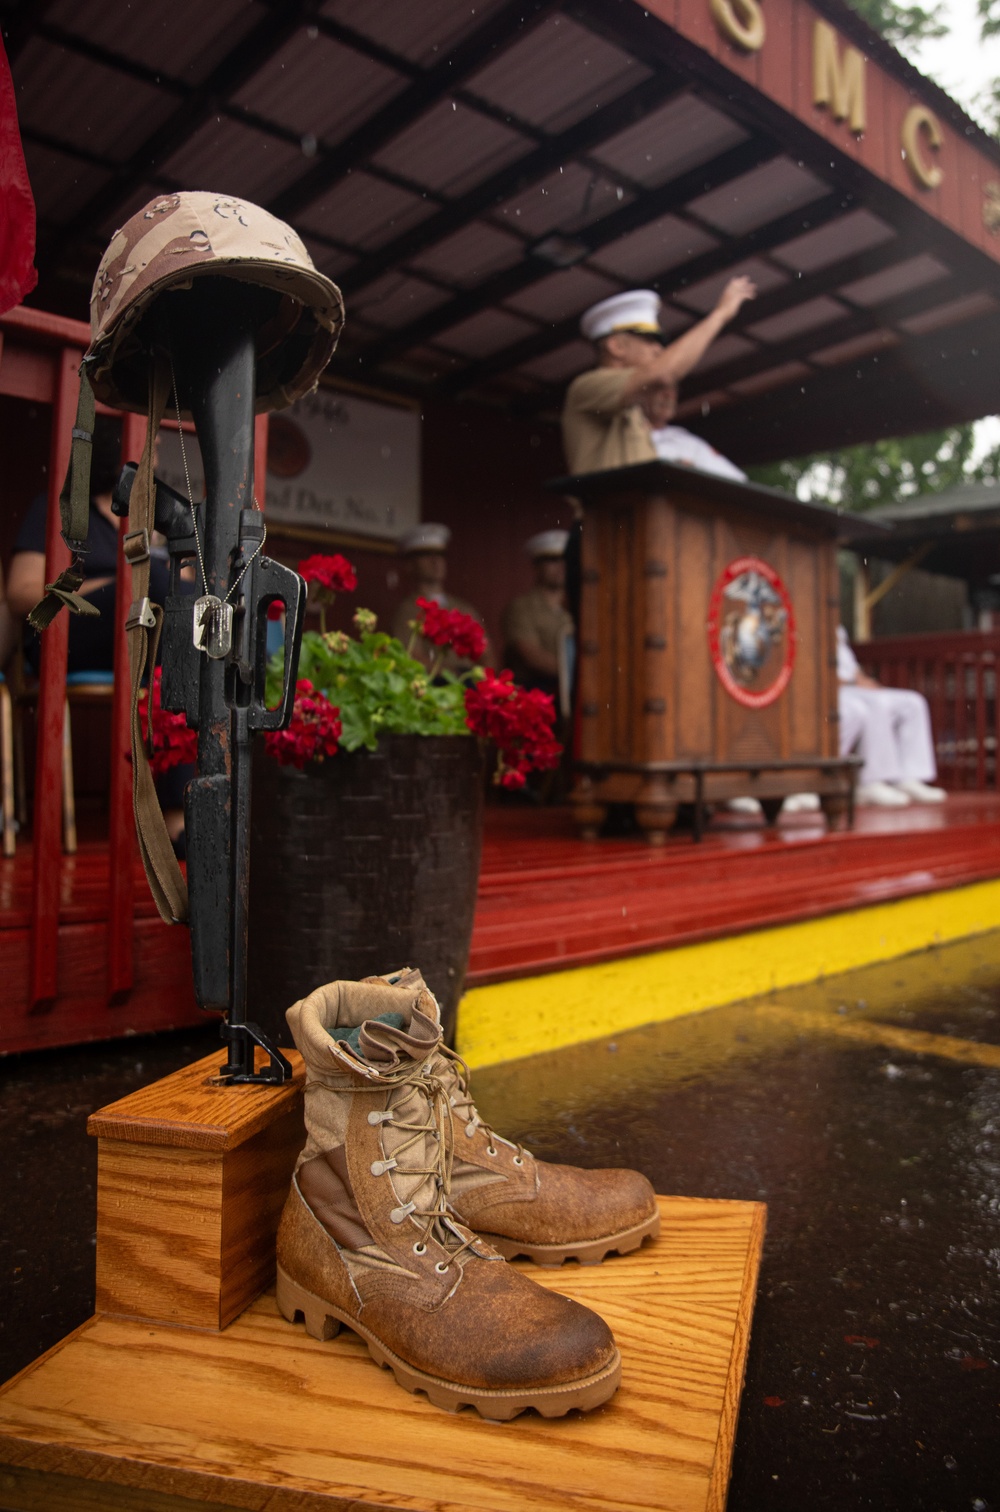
[483,476]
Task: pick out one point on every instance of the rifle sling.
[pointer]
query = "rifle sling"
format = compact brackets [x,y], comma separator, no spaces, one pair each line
[145,620]
[74,510]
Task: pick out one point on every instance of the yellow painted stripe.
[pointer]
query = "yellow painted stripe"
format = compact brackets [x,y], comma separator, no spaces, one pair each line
[524,1017]
[890,1036]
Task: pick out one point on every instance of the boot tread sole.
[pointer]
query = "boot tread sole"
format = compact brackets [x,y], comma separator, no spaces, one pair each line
[586,1251]
[323,1321]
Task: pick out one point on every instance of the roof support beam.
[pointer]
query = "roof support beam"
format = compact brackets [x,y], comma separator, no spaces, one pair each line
[501,31]
[727,166]
[270,33]
[555,153]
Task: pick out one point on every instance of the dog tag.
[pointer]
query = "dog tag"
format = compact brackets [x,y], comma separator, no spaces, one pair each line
[213,626]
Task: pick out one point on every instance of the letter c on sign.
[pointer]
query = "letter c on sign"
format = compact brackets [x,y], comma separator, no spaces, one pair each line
[740,21]
[919,119]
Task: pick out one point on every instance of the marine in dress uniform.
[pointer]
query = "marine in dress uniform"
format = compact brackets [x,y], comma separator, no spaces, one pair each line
[891,728]
[537,626]
[424,548]
[603,421]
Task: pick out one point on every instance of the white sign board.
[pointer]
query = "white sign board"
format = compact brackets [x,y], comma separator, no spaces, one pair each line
[336,462]
[342,463]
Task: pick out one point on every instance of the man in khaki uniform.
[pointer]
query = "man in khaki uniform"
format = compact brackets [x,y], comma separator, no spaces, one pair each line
[603,421]
[424,549]
[537,624]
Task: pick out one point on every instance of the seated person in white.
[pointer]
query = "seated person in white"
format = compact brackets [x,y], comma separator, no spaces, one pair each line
[675,444]
[891,728]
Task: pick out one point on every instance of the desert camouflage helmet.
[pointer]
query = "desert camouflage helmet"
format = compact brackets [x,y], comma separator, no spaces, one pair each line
[180,237]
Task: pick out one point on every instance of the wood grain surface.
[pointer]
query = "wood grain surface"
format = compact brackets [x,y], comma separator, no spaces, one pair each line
[260,1416]
[191,1178]
[191,1111]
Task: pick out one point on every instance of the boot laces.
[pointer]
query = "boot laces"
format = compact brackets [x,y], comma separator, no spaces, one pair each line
[438,1131]
[465,1108]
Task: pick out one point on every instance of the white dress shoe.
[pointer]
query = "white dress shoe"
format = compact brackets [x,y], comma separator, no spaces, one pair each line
[921,792]
[744,806]
[881,795]
[801,803]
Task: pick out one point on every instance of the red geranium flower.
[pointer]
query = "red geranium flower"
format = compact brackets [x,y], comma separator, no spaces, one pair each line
[173,743]
[313,732]
[518,720]
[334,573]
[450,627]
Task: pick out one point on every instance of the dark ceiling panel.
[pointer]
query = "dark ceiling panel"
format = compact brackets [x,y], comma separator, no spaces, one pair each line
[227,158]
[85,103]
[186,37]
[568,292]
[567,201]
[365,210]
[653,250]
[60,183]
[760,196]
[452,148]
[317,87]
[670,141]
[418,31]
[558,75]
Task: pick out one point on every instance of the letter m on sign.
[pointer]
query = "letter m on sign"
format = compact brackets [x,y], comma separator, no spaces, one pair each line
[838,81]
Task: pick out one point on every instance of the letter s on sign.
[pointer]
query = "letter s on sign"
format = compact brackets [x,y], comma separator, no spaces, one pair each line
[740,21]
[919,119]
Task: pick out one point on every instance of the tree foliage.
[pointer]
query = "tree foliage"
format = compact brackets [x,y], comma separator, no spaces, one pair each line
[860,477]
[900,24]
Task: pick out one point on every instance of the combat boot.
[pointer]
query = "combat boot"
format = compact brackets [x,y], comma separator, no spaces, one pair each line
[524,1206]
[367,1237]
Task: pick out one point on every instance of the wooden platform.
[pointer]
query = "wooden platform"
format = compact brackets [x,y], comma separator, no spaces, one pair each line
[139,1417]
[547,900]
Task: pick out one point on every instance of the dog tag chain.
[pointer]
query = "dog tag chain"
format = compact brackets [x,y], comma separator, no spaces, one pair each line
[212,623]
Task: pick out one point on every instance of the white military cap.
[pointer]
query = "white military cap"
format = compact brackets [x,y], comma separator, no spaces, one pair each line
[425,538]
[547,543]
[637,311]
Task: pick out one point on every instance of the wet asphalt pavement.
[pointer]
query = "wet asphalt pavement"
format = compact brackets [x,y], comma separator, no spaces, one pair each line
[865,1111]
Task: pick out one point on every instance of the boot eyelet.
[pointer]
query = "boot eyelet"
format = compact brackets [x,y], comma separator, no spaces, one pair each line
[518,1160]
[491,1151]
[442,1266]
[470,1131]
[419,1249]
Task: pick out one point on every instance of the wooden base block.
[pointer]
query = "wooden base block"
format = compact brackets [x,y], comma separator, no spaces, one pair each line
[191,1179]
[138,1416]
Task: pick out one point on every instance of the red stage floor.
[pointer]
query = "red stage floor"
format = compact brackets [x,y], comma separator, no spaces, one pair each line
[546,900]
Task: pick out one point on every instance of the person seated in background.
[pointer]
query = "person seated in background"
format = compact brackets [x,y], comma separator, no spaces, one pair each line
[603,421]
[424,549]
[891,728]
[91,638]
[537,625]
[672,443]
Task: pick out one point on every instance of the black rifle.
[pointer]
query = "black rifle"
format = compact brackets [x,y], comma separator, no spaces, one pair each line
[220,689]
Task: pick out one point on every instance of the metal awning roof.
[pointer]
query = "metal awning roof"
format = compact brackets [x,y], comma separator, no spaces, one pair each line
[956,532]
[475,174]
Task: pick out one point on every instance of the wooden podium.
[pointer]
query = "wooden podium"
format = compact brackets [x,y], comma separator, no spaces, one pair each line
[707,652]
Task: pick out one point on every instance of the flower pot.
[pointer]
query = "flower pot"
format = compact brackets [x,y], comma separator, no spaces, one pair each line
[363,863]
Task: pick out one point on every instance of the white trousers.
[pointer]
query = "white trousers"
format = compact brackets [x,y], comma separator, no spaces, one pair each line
[892,730]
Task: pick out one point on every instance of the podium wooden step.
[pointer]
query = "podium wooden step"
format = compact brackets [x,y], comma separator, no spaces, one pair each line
[149,1418]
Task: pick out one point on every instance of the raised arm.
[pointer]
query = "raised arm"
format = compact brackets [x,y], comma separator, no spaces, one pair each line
[676,360]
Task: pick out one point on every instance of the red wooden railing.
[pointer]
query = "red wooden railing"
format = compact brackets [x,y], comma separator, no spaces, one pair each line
[39,360]
[957,674]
